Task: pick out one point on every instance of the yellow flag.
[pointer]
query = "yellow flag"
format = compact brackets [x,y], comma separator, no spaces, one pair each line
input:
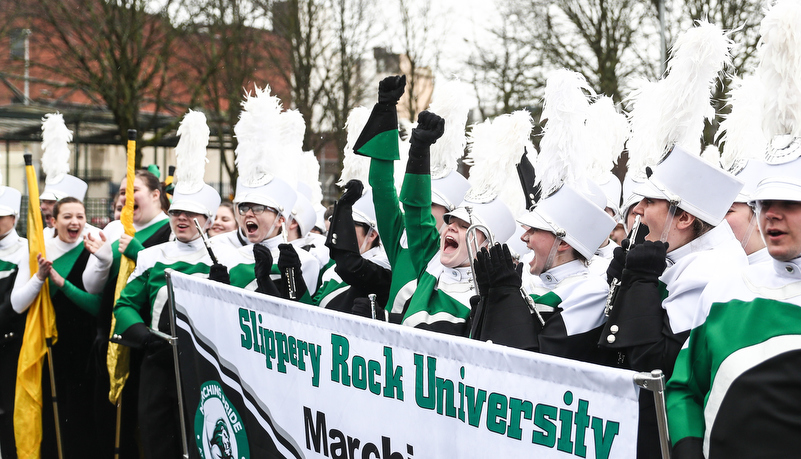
[40,327]
[118,356]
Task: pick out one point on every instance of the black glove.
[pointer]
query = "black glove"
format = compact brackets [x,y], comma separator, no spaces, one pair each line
[361,307]
[390,89]
[503,272]
[139,336]
[648,258]
[288,259]
[353,191]
[482,271]
[263,269]
[430,127]
[618,262]
[219,273]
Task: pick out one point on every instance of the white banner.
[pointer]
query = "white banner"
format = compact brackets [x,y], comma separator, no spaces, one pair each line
[265,377]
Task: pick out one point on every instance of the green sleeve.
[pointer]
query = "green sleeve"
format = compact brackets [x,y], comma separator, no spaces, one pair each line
[421,226]
[84,300]
[132,304]
[688,388]
[387,207]
[133,249]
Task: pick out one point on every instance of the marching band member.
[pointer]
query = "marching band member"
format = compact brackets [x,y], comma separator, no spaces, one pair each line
[141,305]
[563,230]
[152,228]
[56,166]
[740,366]
[13,253]
[379,141]
[76,310]
[264,202]
[361,267]
[743,155]
[441,301]
[225,221]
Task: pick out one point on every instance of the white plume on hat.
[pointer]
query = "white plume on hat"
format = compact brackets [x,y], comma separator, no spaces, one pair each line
[741,130]
[55,143]
[450,103]
[190,153]
[645,117]
[291,131]
[711,154]
[355,166]
[696,60]
[496,147]
[258,151]
[608,131]
[309,173]
[564,149]
[780,68]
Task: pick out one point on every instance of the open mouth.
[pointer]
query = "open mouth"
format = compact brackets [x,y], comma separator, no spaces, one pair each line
[774,233]
[251,227]
[450,244]
[182,226]
[73,232]
[136,207]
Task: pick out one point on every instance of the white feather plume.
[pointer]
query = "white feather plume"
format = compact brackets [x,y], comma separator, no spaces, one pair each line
[780,68]
[55,143]
[711,154]
[607,131]
[696,60]
[742,135]
[190,153]
[291,131]
[258,148]
[496,147]
[309,173]
[644,147]
[450,102]
[564,152]
[355,166]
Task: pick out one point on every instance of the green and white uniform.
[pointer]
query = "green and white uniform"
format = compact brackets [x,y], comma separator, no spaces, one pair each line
[392,229]
[143,299]
[736,385]
[243,273]
[441,301]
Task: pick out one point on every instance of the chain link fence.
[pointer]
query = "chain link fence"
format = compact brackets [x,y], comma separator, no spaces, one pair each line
[98,213]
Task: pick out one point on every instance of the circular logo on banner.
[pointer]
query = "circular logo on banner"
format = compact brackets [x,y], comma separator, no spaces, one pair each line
[219,432]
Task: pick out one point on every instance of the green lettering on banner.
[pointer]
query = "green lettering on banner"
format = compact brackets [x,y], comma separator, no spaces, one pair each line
[496,408]
[582,422]
[543,418]
[359,366]
[429,401]
[373,371]
[518,409]
[247,339]
[393,385]
[339,363]
[566,430]
[604,436]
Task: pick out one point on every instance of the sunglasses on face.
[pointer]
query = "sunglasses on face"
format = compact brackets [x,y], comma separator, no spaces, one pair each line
[257,209]
[176,213]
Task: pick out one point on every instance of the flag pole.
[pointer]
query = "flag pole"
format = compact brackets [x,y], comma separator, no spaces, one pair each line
[37,341]
[53,393]
[118,357]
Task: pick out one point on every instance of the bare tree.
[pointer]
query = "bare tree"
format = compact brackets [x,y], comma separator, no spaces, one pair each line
[231,38]
[353,30]
[421,38]
[303,25]
[134,70]
[506,68]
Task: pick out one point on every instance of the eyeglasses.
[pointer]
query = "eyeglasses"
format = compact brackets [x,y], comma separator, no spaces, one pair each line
[257,209]
[178,212]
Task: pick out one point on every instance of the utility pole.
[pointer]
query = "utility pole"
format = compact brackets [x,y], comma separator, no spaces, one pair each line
[663,44]
[27,34]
